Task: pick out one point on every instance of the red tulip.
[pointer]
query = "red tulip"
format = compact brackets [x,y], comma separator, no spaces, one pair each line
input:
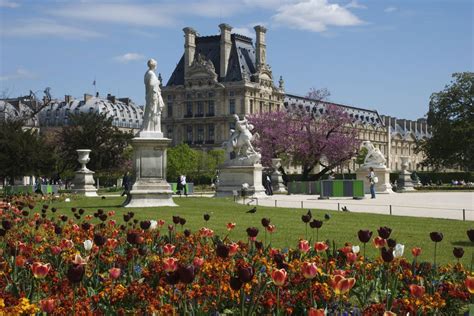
[114,273]
[416,251]
[168,249]
[379,242]
[279,277]
[309,270]
[351,257]
[304,246]
[316,312]
[233,248]
[417,290]
[40,270]
[271,228]
[161,223]
[47,305]
[340,284]
[198,262]
[20,261]
[170,264]
[230,226]
[321,246]
[111,243]
[470,284]
[55,250]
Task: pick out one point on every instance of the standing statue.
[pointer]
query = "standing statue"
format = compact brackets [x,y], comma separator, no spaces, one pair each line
[154,102]
[241,138]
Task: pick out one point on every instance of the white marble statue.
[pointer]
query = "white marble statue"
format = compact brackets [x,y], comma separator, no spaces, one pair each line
[374,157]
[154,102]
[240,142]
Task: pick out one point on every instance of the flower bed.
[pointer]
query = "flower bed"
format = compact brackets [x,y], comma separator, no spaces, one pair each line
[65,262]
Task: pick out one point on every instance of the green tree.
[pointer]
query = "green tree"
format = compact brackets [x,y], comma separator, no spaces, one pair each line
[181,160]
[451,117]
[109,145]
[23,152]
[361,156]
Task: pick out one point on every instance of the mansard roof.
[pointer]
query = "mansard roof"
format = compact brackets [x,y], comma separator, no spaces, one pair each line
[358,115]
[241,59]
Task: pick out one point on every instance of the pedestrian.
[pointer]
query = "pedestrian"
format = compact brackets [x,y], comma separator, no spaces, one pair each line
[178,185]
[182,181]
[373,180]
[127,187]
[268,185]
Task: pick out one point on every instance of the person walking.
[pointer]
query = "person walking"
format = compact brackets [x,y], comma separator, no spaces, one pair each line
[373,180]
[182,181]
[127,186]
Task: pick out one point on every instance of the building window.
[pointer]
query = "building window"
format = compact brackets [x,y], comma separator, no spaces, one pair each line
[251,106]
[169,132]
[200,109]
[189,134]
[231,93]
[189,96]
[261,106]
[200,134]
[232,106]
[210,133]
[170,108]
[189,109]
[211,94]
[210,111]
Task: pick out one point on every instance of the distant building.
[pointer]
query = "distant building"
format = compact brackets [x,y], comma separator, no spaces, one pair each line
[20,108]
[125,114]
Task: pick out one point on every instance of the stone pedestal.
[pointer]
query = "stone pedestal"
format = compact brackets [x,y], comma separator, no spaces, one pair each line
[84,180]
[277,179]
[84,183]
[150,188]
[405,183]
[231,178]
[382,173]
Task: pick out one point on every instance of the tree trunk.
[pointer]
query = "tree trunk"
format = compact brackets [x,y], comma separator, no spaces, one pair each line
[306,171]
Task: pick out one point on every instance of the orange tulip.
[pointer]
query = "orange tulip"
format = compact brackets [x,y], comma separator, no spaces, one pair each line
[417,290]
[20,261]
[111,243]
[279,277]
[341,285]
[47,305]
[470,284]
[40,270]
[416,251]
[309,270]
[114,273]
[170,264]
[321,246]
[379,242]
[316,312]
[168,249]
[304,246]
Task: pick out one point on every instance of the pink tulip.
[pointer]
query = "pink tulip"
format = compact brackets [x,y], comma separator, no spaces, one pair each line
[233,248]
[198,262]
[279,277]
[321,246]
[48,305]
[304,246]
[40,270]
[170,264]
[168,249]
[114,273]
[309,270]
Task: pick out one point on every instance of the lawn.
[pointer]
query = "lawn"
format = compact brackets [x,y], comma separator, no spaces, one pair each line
[342,227]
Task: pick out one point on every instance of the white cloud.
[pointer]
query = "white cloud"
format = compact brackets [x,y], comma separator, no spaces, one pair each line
[390,9]
[44,27]
[20,73]
[355,5]
[128,57]
[315,15]
[8,4]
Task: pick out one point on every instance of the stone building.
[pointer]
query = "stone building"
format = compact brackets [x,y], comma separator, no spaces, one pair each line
[217,77]
[20,108]
[125,114]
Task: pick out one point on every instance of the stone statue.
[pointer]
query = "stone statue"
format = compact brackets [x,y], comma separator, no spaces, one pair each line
[239,143]
[374,157]
[154,101]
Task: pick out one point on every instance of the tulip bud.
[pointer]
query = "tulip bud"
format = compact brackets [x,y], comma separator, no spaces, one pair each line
[88,245]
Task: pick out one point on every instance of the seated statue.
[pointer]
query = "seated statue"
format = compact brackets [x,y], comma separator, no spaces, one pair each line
[374,157]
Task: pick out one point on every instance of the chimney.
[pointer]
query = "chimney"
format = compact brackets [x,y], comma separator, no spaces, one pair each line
[125,100]
[111,98]
[87,97]
[189,47]
[226,45]
[68,98]
[261,47]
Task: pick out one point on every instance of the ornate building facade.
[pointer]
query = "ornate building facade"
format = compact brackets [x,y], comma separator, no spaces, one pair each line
[217,77]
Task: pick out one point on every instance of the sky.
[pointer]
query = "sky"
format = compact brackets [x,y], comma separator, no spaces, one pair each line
[384,55]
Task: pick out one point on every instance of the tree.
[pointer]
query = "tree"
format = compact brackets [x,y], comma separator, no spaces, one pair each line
[181,160]
[109,145]
[328,139]
[23,152]
[361,156]
[451,118]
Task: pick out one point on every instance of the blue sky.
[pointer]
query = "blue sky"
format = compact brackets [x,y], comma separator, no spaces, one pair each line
[375,54]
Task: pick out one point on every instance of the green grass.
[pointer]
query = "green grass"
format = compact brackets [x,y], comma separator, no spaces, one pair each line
[342,227]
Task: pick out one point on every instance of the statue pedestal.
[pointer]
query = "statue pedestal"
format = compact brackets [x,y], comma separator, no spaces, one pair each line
[150,188]
[382,173]
[405,183]
[84,183]
[231,178]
